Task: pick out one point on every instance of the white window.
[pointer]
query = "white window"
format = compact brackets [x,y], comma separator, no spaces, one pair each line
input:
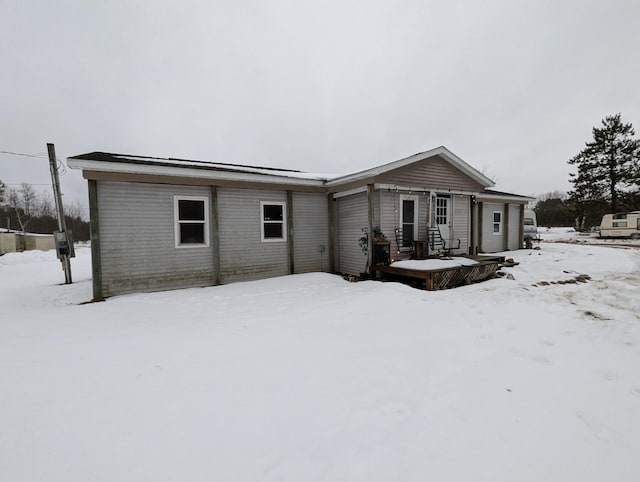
[191,215]
[442,210]
[273,220]
[497,222]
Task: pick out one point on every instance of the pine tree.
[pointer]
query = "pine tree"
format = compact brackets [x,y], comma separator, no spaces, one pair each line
[608,167]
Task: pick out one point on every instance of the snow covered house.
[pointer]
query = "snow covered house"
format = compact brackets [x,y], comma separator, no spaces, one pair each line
[170,223]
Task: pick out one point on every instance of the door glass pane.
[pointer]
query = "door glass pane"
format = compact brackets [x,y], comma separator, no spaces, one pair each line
[441,210]
[408,211]
[407,235]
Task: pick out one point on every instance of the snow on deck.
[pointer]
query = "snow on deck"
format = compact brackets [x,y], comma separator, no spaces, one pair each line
[432,264]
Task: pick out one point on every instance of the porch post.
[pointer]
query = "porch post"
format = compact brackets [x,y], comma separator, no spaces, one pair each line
[474,235]
[521,228]
[506,226]
[332,261]
[480,233]
[371,212]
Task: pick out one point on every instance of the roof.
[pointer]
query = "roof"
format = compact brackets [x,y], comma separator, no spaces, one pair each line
[133,164]
[438,151]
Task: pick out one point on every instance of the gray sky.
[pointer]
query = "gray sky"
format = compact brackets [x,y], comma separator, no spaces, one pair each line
[512,87]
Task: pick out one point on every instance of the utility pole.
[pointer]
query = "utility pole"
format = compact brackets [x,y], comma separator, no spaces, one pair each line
[64,243]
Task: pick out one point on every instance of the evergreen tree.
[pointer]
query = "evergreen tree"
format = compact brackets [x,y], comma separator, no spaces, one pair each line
[608,167]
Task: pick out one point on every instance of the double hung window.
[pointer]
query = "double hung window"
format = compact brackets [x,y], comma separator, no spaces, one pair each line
[497,222]
[191,215]
[273,220]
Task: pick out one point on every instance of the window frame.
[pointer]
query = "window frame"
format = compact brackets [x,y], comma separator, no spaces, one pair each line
[283,205]
[177,222]
[498,223]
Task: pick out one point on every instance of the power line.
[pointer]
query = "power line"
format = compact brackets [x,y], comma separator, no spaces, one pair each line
[39,154]
[60,167]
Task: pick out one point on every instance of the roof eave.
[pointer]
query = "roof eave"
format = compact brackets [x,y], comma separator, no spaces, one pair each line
[189,171]
[486,197]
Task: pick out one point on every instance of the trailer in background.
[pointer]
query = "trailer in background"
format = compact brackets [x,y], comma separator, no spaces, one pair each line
[621,225]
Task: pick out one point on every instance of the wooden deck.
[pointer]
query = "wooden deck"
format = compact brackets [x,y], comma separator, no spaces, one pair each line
[443,278]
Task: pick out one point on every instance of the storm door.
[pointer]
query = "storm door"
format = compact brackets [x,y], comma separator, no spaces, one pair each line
[408,219]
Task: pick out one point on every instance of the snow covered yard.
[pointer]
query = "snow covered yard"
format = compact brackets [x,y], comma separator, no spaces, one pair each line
[312,378]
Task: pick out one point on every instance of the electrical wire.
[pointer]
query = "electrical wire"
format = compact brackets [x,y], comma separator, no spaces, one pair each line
[60,167]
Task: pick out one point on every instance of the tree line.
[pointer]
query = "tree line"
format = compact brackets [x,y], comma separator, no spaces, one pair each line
[606,179]
[27,210]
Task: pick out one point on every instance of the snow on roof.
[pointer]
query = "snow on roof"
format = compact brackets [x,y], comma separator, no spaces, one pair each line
[205,165]
[103,161]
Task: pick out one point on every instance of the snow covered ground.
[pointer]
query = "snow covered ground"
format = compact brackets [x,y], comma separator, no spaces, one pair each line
[313,378]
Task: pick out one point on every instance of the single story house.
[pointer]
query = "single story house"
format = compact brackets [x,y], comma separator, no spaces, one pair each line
[171,223]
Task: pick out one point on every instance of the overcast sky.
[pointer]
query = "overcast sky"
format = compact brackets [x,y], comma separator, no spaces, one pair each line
[512,87]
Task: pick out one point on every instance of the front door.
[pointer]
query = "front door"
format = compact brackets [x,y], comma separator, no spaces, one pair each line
[443,216]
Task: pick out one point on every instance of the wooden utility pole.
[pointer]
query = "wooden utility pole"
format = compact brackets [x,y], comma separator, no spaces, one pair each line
[64,247]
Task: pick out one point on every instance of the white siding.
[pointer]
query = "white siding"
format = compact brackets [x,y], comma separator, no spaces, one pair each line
[491,243]
[137,243]
[242,254]
[350,217]
[311,232]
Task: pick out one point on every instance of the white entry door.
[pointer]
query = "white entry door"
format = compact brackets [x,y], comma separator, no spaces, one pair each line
[443,216]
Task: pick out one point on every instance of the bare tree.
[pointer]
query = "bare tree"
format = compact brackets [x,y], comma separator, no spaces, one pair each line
[46,205]
[24,203]
[74,210]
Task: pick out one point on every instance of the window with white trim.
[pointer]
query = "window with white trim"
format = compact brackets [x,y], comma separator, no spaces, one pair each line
[191,215]
[273,220]
[497,222]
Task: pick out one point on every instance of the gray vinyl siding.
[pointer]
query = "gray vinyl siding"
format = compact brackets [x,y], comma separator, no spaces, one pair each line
[137,239]
[492,243]
[243,256]
[461,222]
[351,217]
[514,226]
[389,217]
[311,232]
[433,173]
